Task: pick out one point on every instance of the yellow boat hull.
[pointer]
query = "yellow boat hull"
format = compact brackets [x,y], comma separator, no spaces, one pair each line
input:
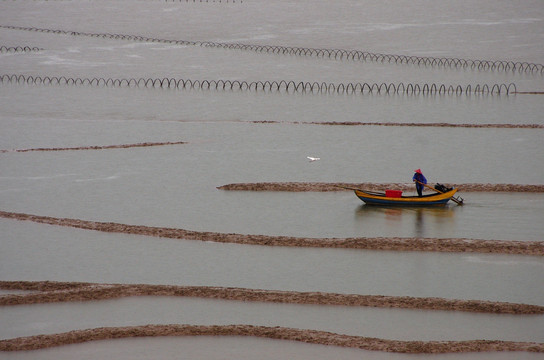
[375,198]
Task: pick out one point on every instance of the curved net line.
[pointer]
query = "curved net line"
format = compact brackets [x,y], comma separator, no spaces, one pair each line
[336,54]
[285,86]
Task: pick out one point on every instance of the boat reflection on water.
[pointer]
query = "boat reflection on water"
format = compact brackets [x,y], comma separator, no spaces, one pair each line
[416,221]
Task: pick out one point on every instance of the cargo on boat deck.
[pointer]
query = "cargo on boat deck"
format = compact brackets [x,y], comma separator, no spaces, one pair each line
[393,193]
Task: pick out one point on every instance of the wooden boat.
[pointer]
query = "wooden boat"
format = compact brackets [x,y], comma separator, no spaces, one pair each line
[394,198]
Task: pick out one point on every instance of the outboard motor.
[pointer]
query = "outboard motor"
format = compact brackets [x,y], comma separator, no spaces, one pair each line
[442,188]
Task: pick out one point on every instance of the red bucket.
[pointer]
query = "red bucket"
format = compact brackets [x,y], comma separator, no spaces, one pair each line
[393,193]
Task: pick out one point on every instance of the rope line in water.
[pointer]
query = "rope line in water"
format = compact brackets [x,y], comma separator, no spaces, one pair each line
[337,54]
[281,86]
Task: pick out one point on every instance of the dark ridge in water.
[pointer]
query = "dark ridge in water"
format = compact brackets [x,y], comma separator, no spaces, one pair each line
[98,147]
[366,243]
[322,187]
[357,123]
[51,292]
[280,333]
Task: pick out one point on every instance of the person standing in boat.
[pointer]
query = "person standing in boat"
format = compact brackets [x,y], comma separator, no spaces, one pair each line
[419,179]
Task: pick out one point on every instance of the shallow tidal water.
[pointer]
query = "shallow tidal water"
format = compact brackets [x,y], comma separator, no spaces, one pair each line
[78,255]
[226,142]
[394,324]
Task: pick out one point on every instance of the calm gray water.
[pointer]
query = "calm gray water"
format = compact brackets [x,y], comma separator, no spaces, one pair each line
[75,255]
[382,323]
[175,186]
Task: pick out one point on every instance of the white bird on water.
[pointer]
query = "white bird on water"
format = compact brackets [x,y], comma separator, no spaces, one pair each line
[313,158]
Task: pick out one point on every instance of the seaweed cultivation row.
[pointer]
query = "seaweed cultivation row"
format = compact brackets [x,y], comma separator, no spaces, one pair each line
[337,54]
[98,147]
[41,292]
[395,124]
[365,243]
[277,332]
[322,187]
[53,292]
[281,86]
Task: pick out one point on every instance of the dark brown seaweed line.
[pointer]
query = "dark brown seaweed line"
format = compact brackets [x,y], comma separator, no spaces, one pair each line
[281,333]
[52,292]
[342,186]
[442,124]
[99,147]
[366,243]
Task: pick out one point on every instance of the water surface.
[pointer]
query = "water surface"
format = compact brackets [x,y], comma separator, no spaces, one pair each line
[175,186]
